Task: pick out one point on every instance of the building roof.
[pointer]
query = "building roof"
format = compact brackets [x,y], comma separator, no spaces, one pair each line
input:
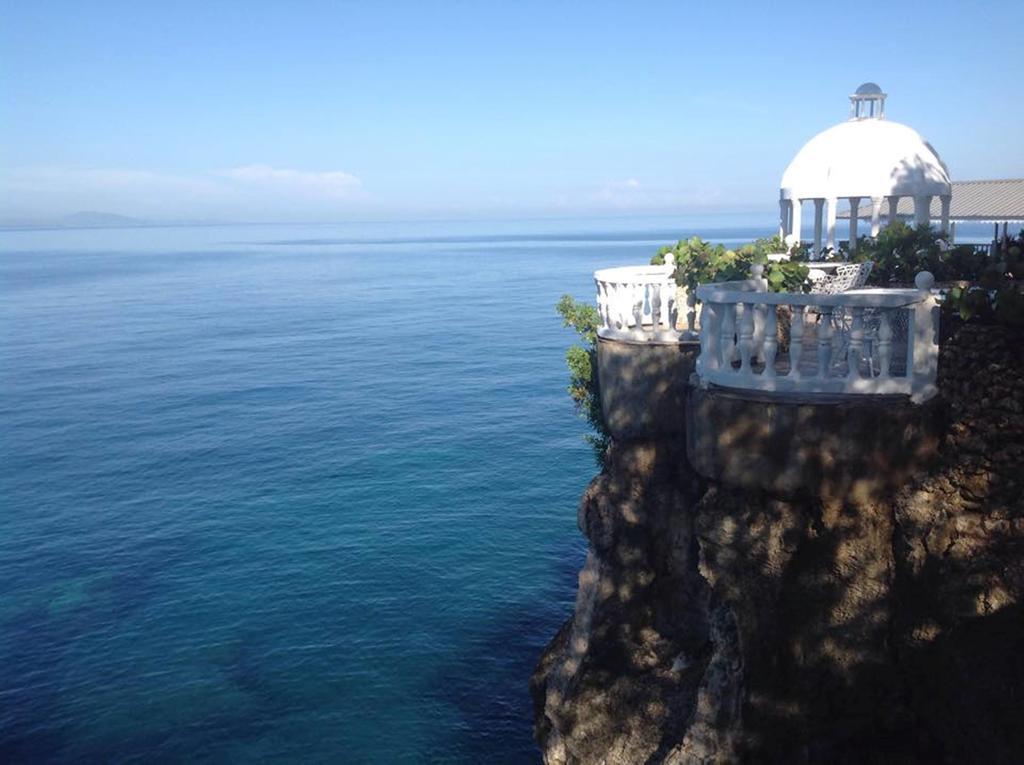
[989,201]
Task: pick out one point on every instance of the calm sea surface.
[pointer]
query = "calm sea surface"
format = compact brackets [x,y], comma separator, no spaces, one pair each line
[300,493]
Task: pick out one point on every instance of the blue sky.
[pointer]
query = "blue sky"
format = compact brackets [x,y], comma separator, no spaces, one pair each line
[292,111]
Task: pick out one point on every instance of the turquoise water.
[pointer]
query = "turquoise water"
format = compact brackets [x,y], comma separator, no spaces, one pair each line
[289,493]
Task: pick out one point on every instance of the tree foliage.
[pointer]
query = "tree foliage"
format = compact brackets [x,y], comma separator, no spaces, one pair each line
[582,362]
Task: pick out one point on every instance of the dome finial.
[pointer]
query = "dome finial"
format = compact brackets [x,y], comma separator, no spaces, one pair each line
[867,103]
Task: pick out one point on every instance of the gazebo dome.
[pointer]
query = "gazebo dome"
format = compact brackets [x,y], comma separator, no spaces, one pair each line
[866,157]
[869,89]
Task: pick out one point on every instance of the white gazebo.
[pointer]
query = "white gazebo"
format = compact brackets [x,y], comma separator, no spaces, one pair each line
[865,158]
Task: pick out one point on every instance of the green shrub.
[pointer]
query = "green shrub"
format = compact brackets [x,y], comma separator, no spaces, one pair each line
[1004,305]
[700,262]
[900,252]
[996,294]
[765,246]
[787,276]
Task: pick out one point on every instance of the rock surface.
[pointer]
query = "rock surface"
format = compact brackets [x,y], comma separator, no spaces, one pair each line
[722,623]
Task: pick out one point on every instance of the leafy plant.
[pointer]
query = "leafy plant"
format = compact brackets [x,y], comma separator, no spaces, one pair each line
[800,252]
[1004,305]
[826,254]
[787,276]
[765,246]
[1009,307]
[996,296]
[967,302]
[700,262]
[582,363]
[900,252]
[1012,254]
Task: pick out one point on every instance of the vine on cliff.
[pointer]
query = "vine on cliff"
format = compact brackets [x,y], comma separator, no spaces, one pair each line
[582,362]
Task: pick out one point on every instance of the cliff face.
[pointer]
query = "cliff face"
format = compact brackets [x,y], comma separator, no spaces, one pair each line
[881,622]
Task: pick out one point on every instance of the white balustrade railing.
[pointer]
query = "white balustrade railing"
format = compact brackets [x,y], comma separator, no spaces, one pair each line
[639,303]
[863,342]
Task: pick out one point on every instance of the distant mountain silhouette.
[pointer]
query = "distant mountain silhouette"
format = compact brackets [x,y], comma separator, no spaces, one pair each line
[94,219]
[90,218]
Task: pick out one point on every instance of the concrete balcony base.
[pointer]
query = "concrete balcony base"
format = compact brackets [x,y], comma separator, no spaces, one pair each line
[643,386]
[832,447]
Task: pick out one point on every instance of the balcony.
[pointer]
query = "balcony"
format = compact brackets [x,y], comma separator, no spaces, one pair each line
[640,304]
[861,342]
[854,343]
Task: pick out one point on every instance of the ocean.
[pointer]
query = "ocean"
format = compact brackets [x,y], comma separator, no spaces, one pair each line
[291,493]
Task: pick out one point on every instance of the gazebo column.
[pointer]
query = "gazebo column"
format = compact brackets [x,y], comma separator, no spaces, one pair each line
[854,210]
[830,224]
[783,218]
[876,211]
[795,220]
[894,203]
[922,210]
[818,203]
[946,199]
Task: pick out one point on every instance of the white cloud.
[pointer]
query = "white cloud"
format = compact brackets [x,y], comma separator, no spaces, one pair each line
[330,182]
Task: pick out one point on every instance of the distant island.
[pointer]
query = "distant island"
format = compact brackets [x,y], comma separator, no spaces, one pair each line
[94,219]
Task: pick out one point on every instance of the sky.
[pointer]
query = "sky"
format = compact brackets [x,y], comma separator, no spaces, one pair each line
[333,111]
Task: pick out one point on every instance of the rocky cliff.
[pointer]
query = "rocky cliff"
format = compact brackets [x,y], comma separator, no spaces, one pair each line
[868,612]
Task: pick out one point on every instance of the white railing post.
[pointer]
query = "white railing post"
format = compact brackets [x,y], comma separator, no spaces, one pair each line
[760,285]
[637,299]
[771,340]
[854,352]
[707,358]
[824,341]
[924,362]
[728,334]
[796,341]
[757,274]
[691,313]
[885,343]
[669,289]
[712,313]
[655,298]
[746,338]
